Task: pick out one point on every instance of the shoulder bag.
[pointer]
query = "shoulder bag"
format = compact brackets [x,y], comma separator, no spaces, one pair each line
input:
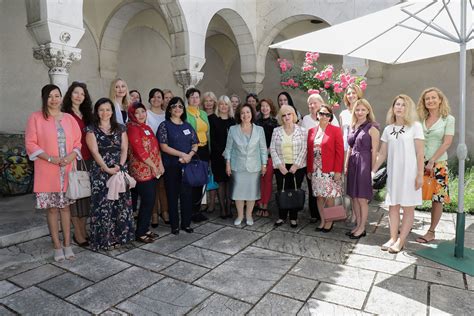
[290,199]
[79,186]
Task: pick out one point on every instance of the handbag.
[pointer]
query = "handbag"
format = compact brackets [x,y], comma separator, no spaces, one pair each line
[290,199]
[429,186]
[211,184]
[335,213]
[195,173]
[380,179]
[79,186]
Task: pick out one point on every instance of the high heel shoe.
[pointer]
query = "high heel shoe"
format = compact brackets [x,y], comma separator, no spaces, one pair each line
[363,234]
[327,230]
[164,220]
[68,253]
[59,255]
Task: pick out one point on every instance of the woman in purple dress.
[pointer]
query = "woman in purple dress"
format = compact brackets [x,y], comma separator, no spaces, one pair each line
[363,143]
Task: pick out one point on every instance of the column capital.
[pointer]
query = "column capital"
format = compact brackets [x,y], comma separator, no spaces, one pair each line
[188,78]
[58,58]
[253,87]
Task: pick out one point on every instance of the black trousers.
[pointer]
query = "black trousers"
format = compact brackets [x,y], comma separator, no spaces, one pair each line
[203,154]
[289,184]
[313,206]
[146,191]
[176,189]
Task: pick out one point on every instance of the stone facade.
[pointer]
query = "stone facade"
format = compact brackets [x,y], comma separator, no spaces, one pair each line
[219,46]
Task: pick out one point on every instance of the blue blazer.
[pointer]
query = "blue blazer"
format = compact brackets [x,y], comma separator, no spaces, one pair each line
[246,155]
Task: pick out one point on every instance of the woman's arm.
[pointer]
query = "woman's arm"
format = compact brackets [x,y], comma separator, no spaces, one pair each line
[346,162]
[124,149]
[381,157]
[447,141]
[375,139]
[339,154]
[420,152]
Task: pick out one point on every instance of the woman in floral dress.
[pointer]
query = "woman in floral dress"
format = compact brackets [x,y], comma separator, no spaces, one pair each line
[111,220]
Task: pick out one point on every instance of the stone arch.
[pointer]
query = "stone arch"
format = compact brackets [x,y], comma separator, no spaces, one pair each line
[118,20]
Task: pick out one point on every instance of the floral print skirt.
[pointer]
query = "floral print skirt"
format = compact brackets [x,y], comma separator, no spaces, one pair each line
[441,175]
[324,184]
[45,200]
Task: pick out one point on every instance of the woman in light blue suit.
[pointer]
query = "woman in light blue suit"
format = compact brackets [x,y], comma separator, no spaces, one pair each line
[246,160]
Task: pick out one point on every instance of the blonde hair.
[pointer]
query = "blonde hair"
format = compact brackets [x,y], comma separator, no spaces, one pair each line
[370,115]
[286,109]
[410,114]
[226,100]
[125,99]
[357,90]
[444,108]
[209,94]
[316,96]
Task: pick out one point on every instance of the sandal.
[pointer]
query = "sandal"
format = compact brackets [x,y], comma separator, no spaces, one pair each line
[59,255]
[259,211]
[424,239]
[68,254]
[152,235]
[145,239]
[265,213]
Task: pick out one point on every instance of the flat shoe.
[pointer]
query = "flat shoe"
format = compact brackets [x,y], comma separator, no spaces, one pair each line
[80,244]
[363,234]
[238,221]
[249,221]
[189,230]
[152,235]
[278,223]
[387,245]
[348,234]
[175,231]
[144,239]
[394,249]
[293,224]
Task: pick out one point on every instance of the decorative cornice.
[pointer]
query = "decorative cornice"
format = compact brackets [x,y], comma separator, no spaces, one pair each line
[58,58]
[188,78]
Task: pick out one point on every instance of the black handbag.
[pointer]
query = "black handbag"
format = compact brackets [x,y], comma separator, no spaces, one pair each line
[292,199]
[380,179]
[195,173]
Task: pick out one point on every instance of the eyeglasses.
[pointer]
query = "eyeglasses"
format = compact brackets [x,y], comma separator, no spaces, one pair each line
[286,114]
[177,105]
[325,114]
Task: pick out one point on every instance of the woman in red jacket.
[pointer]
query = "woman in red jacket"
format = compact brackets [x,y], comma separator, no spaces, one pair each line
[145,166]
[325,161]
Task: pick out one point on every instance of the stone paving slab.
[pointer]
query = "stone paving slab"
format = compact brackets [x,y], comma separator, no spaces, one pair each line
[340,295]
[37,275]
[207,228]
[65,284]
[295,287]
[206,258]
[470,282]
[228,240]
[220,305]
[185,271]
[392,295]
[146,259]
[452,278]
[93,266]
[248,275]
[315,307]
[273,304]
[262,225]
[7,288]
[370,246]
[6,312]
[113,312]
[167,297]
[329,272]
[34,301]
[335,234]
[450,301]
[105,294]
[171,243]
[381,265]
[300,245]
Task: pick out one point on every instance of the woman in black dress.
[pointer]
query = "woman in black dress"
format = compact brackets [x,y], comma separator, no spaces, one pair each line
[220,124]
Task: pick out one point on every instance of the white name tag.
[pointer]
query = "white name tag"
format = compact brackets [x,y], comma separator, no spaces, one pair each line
[147,133]
[186,132]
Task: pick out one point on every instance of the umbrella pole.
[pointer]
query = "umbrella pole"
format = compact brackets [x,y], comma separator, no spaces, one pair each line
[461,149]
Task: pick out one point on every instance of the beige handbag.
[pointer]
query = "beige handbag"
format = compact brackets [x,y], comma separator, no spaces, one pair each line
[79,182]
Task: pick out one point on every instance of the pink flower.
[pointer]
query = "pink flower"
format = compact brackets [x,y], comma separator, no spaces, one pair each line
[344,84]
[291,81]
[313,91]
[327,84]
[352,80]
[338,89]
[308,55]
[315,56]
[363,85]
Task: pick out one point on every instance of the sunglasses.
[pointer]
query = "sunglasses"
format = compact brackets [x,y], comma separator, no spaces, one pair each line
[325,114]
[286,114]
[177,105]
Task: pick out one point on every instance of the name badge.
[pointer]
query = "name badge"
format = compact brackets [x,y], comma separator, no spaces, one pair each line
[147,133]
[187,132]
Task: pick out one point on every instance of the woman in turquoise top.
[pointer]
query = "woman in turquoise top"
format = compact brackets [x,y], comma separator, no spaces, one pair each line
[438,128]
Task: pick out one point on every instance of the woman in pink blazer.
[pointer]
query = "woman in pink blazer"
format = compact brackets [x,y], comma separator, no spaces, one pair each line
[53,142]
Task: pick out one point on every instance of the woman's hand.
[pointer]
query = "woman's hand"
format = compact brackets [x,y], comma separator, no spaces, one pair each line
[282,169]
[337,176]
[309,175]
[418,181]
[154,170]
[429,165]
[185,158]
[293,169]
[112,170]
[264,169]
[228,170]
[161,168]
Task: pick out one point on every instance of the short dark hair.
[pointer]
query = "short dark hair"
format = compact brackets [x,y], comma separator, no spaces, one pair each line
[114,126]
[191,91]
[152,92]
[237,118]
[327,107]
[251,95]
[45,91]
[139,94]
[86,105]
[175,100]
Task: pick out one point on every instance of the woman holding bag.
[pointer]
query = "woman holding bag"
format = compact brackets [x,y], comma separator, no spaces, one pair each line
[53,142]
[325,161]
[288,150]
[438,129]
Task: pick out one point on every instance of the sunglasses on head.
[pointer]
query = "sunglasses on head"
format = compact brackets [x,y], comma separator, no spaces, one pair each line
[176,105]
[325,114]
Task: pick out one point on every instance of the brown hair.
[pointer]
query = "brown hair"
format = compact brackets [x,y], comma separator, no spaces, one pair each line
[444,108]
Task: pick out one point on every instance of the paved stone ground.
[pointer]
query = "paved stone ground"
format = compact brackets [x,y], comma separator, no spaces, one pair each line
[255,270]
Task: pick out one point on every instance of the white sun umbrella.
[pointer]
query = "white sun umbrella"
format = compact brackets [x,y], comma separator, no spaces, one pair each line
[409,31]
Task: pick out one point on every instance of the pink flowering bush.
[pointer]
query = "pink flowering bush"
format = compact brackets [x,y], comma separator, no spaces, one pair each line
[315,78]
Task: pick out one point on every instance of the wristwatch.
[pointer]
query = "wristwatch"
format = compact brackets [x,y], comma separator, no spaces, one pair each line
[50,159]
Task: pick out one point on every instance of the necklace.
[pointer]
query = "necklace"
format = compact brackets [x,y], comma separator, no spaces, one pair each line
[400,131]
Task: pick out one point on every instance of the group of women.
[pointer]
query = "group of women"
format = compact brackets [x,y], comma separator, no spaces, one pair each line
[245,144]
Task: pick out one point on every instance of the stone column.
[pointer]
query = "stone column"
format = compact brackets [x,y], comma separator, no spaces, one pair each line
[58,58]
[252,81]
[188,78]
